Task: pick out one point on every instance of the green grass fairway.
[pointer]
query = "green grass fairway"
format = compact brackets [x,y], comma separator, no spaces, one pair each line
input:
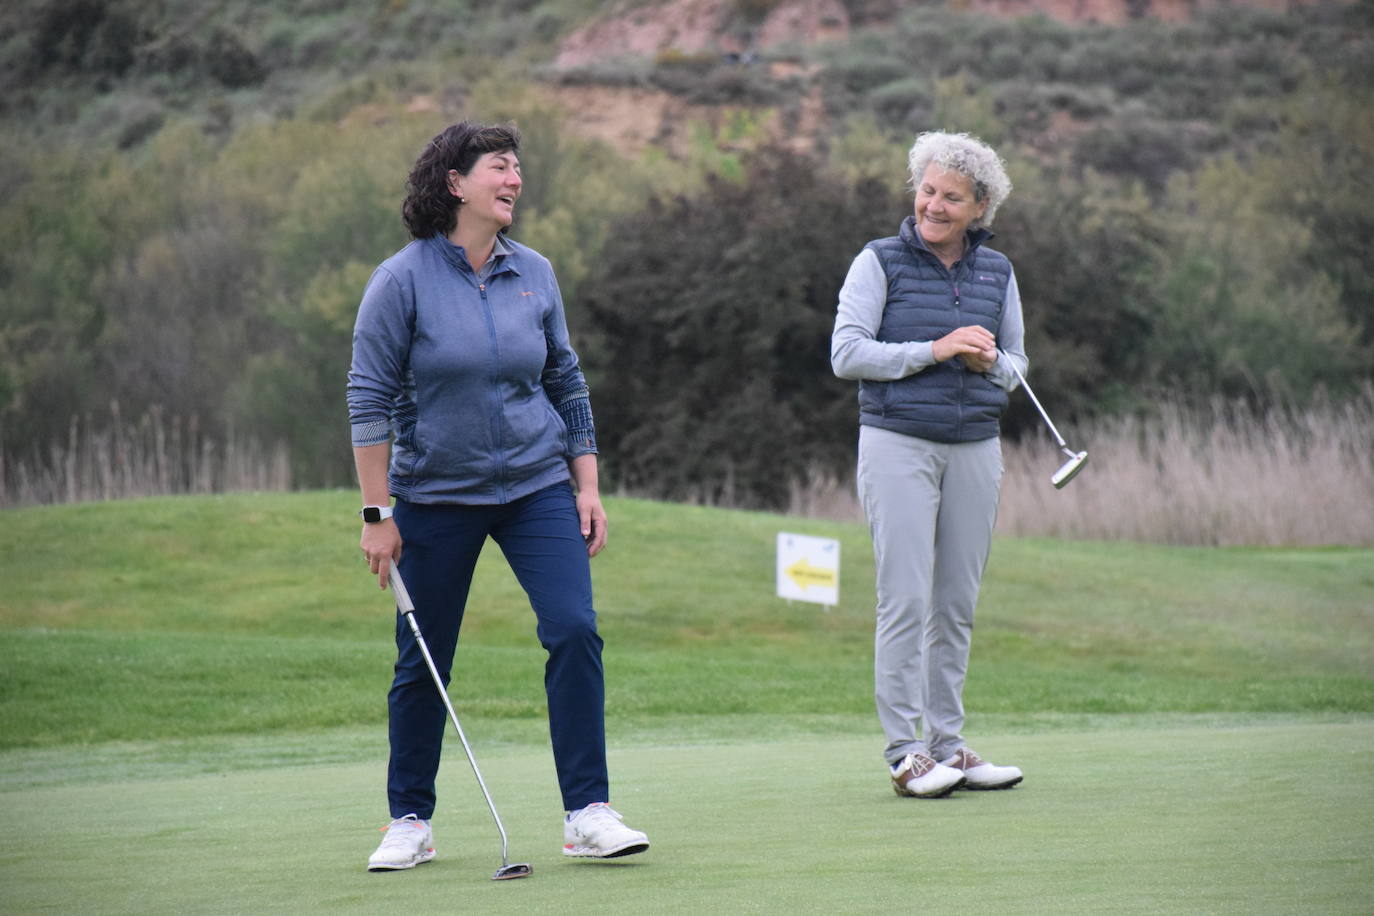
[253,614]
[1179,820]
[192,720]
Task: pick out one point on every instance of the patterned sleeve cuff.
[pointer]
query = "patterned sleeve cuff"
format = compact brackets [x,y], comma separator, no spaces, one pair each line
[577,416]
[373,432]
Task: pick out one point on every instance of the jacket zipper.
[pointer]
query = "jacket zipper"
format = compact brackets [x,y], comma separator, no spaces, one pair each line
[495,394]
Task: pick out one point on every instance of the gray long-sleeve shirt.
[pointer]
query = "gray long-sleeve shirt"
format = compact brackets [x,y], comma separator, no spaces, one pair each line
[856,353]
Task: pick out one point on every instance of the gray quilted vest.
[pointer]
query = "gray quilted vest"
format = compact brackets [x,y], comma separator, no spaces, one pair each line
[925,301]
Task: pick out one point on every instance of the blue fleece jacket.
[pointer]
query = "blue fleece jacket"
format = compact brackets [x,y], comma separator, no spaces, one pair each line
[472,377]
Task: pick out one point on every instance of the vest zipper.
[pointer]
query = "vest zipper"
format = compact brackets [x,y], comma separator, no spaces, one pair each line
[959,322]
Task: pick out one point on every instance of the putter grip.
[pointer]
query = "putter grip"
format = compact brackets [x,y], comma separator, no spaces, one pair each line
[399,588]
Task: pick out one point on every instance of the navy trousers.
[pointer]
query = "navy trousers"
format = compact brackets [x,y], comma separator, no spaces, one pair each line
[541,538]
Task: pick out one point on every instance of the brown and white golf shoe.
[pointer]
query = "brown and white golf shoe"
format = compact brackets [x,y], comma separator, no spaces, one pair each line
[919,776]
[979,774]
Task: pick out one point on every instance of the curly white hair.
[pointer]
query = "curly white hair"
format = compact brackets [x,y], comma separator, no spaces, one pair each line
[968,156]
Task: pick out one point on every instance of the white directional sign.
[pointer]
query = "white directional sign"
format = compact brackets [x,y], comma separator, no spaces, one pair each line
[808,568]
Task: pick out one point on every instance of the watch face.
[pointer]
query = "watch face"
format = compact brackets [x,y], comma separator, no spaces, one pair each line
[372,514]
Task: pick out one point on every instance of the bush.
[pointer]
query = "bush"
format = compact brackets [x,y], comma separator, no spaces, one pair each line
[230,63]
[714,380]
[84,36]
[713,80]
[863,65]
[907,101]
[1085,249]
[1135,145]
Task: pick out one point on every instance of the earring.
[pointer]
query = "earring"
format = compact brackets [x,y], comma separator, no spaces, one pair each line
[462,200]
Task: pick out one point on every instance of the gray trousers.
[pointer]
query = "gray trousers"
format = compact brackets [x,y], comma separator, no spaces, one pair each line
[931,508]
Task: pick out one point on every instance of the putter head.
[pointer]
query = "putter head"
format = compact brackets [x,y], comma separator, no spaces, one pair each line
[1069,469]
[507,872]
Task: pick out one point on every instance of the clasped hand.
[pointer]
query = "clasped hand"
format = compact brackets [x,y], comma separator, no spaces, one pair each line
[974,344]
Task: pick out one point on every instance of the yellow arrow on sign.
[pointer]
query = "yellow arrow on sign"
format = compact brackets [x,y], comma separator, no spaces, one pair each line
[806,575]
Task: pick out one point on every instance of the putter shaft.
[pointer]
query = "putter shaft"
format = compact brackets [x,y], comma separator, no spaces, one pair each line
[407,608]
[1070,468]
[1036,401]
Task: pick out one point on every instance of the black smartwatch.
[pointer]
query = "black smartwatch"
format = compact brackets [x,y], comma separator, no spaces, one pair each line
[373,514]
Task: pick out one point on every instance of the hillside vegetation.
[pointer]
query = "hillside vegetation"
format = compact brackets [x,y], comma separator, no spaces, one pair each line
[195,194]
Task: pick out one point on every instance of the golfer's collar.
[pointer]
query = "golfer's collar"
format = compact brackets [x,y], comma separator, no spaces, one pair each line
[498,261]
[972,237]
[502,248]
[501,259]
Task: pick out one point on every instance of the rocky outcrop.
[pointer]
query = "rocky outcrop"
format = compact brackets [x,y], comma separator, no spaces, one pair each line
[699,28]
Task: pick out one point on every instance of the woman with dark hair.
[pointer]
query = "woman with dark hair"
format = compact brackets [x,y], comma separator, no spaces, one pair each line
[468,406]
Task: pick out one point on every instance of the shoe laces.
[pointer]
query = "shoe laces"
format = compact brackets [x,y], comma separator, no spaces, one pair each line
[968,759]
[399,837]
[598,815]
[918,764]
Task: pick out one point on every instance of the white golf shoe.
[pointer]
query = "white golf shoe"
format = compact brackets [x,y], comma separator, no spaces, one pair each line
[407,843]
[979,774]
[918,776]
[599,832]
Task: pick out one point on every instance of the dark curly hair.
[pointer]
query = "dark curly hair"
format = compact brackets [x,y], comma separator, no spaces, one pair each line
[429,208]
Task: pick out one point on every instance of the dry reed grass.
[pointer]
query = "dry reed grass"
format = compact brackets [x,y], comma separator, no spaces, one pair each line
[1221,475]
[153,456]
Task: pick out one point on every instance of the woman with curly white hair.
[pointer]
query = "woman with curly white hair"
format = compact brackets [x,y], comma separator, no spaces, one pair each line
[929,321]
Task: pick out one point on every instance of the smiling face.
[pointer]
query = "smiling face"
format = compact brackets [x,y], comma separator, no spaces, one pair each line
[945,207]
[489,190]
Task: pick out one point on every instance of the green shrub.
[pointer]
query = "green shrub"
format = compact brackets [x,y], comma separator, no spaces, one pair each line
[84,36]
[907,101]
[714,371]
[1135,145]
[714,80]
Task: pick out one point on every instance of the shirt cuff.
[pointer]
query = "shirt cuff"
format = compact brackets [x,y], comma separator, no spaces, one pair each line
[577,416]
[373,432]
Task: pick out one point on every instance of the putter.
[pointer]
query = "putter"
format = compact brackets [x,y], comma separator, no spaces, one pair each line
[507,870]
[1076,460]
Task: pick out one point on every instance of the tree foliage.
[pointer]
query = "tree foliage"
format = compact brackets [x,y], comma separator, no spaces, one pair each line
[1191,214]
[715,312]
[1086,251]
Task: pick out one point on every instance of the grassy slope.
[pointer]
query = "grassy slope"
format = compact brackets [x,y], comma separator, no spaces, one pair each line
[208,675]
[245,614]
